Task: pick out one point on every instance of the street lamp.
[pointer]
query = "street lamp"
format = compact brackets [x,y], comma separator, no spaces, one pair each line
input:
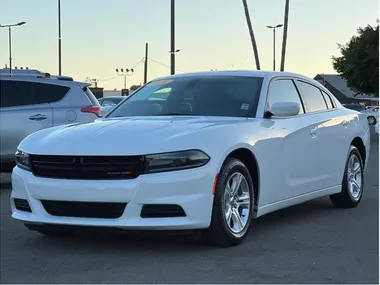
[125,73]
[10,41]
[274,43]
[172,37]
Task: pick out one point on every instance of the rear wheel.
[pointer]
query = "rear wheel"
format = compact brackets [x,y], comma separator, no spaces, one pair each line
[371,120]
[353,182]
[232,207]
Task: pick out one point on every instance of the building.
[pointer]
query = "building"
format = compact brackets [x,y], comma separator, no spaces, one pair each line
[337,85]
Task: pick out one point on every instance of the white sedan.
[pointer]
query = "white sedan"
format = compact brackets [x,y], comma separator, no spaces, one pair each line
[206,151]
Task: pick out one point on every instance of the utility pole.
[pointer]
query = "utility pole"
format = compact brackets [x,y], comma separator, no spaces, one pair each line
[172,36]
[285,35]
[146,64]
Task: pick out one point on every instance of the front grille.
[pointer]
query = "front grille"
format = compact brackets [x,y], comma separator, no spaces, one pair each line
[84,209]
[22,205]
[162,211]
[87,167]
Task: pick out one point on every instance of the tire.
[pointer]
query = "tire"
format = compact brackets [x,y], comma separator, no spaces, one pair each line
[371,120]
[351,195]
[221,232]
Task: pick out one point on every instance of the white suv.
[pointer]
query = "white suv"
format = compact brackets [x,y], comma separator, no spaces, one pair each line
[32,100]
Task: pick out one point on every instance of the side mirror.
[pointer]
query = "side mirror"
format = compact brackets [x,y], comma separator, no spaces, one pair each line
[285,109]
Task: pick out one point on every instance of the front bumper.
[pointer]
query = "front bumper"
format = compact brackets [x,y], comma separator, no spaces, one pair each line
[190,189]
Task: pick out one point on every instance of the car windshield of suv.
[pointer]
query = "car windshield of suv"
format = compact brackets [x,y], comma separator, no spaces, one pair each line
[231,96]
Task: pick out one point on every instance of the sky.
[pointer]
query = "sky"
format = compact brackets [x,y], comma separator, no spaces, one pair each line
[99,36]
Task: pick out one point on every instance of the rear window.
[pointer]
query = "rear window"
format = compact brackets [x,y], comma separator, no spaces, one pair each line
[230,96]
[22,93]
[355,107]
[91,96]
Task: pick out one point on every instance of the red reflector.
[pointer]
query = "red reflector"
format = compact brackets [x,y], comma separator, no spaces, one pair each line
[91,109]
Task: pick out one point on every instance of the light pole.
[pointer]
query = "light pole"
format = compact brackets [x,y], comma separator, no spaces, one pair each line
[59,39]
[125,73]
[10,41]
[274,43]
[172,37]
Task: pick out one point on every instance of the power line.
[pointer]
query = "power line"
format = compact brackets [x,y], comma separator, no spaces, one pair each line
[163,64]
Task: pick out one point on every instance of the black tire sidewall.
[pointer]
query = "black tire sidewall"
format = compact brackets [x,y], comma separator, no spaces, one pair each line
[353,151]
[230,167]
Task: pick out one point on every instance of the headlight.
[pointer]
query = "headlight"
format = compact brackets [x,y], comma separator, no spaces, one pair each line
[171,161]
[22,160]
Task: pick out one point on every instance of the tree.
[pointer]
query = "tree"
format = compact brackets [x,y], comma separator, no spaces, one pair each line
[134,87]
[285,35]
[252,35]
[359,62]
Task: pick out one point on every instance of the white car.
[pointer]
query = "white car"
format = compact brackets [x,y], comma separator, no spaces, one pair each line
[218,149]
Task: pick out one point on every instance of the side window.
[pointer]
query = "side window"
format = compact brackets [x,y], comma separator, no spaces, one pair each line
[22,93]
[48,93]
[312,97]
[16,93]
[283,90]
[328,100]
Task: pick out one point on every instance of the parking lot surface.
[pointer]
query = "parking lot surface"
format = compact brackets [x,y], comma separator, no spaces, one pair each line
[310,243]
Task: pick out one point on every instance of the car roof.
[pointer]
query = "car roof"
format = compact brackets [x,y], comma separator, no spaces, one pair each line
[253,73]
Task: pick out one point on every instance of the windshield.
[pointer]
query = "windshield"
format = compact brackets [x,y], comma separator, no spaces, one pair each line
[232,96]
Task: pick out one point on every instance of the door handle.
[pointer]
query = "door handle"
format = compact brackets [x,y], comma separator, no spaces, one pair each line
[313,132]
[37,117]
[345,123]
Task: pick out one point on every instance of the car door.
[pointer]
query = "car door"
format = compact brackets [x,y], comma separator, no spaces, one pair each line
[20,115]
[331,127]
[293,143]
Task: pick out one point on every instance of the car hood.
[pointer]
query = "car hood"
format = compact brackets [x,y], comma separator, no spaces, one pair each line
[128,136]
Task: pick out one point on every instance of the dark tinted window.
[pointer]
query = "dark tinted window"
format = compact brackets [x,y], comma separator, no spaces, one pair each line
[20,93]
[233,96]
[328,100]
[283,90]
[312,97]
[356,107]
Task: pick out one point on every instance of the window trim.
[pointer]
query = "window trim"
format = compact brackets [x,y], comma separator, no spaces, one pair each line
[324,94]
[279,78]
[314,85]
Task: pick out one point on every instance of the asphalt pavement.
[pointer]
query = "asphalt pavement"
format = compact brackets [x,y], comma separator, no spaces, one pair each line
[309,243]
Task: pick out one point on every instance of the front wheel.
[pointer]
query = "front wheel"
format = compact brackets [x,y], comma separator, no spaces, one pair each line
[352,183]
[233,205]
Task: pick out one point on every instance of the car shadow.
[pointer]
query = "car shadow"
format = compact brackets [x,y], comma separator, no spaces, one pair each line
[185,241]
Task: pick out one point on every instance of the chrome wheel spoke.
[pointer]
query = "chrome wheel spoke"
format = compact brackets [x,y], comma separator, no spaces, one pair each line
[236,182]
[356,185]
[243,200]
[356,169]
[238,224]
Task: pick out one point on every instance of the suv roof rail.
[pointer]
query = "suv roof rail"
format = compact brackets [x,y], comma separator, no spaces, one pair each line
[5,72]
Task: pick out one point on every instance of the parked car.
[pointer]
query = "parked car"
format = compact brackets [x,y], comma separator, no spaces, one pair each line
[32,101]
[109,102]
[371,114]
[202,151]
